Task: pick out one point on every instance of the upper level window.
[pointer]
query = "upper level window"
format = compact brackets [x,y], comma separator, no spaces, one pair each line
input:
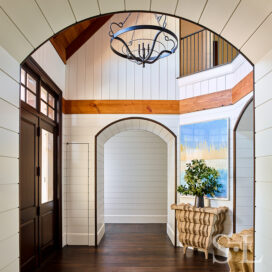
[47,103]
[28,89]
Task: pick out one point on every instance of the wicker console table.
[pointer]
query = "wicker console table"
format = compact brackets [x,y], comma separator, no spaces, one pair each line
[198,226]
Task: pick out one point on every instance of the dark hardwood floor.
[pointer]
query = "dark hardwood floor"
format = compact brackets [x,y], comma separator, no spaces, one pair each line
[131,248]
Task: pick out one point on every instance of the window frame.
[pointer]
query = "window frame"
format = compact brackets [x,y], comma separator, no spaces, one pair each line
[31,67]
[49,92]
[26,89]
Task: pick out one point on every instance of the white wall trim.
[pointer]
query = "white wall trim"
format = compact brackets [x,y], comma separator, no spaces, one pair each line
[100,233]
[171,234]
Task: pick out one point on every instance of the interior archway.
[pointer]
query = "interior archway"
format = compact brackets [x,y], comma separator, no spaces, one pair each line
[243,170]
[21,41]
[135,123]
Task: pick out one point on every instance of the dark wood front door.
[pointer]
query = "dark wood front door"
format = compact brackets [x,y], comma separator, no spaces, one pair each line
[47,190]
[29,202]
[38,214]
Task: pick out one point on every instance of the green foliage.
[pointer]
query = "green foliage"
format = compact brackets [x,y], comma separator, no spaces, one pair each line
[200,180]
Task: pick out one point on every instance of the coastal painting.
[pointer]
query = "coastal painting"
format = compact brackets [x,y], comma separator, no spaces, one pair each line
[208,141]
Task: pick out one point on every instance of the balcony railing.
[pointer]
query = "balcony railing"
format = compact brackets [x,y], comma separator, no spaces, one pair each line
[203,50]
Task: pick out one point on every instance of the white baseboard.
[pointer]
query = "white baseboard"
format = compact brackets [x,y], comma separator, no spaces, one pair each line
[83,239]
[64,242]
[77,239]
[80,239]
[127,219]
[101,233]
[171,234]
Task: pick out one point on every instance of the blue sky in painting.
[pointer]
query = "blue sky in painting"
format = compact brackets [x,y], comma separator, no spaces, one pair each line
[213,133]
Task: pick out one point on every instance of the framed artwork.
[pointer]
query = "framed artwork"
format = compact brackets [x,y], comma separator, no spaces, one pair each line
[208,141]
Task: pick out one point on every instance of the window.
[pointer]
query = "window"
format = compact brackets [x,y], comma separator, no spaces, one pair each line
[28,89]
[47,103]
[34,93]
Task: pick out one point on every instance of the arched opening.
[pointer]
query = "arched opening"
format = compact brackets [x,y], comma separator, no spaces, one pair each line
[23,51]
[135,124]
[243,169]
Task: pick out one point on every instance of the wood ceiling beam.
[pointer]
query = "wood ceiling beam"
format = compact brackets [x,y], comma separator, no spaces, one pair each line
[86,35]
[60,49]
[193,104]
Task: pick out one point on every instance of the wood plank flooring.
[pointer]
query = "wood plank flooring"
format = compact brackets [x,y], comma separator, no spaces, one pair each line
[131,248]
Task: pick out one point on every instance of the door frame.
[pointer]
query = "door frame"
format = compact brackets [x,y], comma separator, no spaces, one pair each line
[31,66]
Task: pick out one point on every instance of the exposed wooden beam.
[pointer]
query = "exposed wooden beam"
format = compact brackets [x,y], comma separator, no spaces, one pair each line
[203,102]
[60,49]
[120,106]
[242,88]
[86,35]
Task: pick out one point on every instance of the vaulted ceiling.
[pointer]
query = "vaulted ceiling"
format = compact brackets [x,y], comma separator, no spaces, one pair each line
[68,41]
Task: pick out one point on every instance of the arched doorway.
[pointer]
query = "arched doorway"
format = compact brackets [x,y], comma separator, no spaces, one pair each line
[135,123]
[19,45]
[243,170]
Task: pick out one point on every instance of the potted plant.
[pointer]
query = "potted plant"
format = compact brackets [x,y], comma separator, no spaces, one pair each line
[200,180]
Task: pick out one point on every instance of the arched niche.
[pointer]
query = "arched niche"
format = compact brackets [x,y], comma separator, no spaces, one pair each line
[135,123]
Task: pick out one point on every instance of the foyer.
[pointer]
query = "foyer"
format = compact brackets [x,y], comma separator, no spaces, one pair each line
[94,147]
[131,247]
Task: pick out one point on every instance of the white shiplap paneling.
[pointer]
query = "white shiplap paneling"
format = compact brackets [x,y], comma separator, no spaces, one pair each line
[244,171]
[95,72]
[23,14]
[47,57]
[245,19]
[9,163]
[82,129]
[10,42]
[135,178]
[84,8]
[58,13]
[217,12]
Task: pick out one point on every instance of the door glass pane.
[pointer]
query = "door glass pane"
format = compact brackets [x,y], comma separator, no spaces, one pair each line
[43,108]
[47,188]
[31,99]
[31,83]
[51,101]
[22,93]
[23,76]
[43,94]
[51,113]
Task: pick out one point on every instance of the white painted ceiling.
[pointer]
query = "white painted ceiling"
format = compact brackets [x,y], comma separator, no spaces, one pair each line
[25,24]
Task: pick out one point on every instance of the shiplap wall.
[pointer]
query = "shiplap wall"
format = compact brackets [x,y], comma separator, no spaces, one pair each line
[135,178]
[263,154]
[246,24]
[95,72]
[9,162]
[223,77]
[82,128]
[232,112]
[75,194]
[244,171]
[47,57]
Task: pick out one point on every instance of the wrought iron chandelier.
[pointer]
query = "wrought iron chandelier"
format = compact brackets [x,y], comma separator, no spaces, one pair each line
[143,44]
